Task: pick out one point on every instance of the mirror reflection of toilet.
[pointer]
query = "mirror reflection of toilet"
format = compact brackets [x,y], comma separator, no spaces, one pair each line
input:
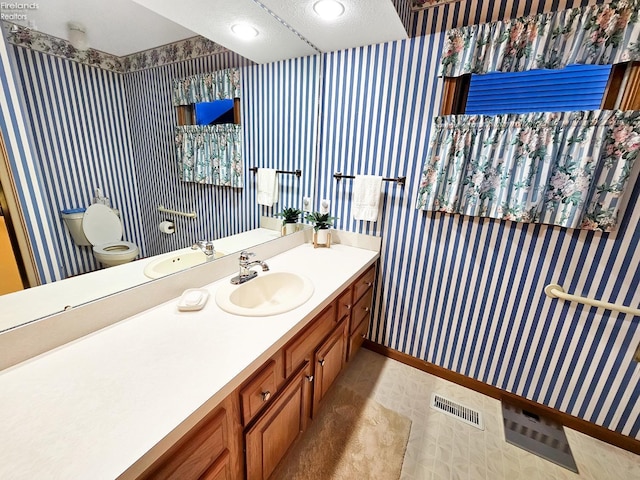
[101,227]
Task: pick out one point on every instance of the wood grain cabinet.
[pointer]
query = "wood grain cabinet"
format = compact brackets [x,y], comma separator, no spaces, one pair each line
[360,312]
[329,361]
[269,438]
[267,413]
[210,451]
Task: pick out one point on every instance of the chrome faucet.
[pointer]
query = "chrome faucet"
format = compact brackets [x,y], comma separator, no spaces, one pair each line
[246,273]
[206,247]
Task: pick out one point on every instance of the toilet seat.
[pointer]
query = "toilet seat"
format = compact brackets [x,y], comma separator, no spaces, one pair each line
[101,225]
[116,248]
[103,228]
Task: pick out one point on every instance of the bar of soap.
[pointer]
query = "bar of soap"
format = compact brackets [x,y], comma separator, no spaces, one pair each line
[193,299]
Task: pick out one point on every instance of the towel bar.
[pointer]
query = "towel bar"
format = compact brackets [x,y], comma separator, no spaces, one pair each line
[399,180]
[297,173]
[176,212]
[556,291]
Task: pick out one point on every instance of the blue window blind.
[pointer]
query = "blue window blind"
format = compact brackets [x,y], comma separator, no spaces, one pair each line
[576,87]
[216,112]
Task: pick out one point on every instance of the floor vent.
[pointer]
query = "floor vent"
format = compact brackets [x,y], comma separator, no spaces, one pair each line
[538,435]
[454,409]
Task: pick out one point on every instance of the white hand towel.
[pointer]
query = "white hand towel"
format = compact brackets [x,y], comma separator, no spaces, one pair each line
[365,200]
[267,186]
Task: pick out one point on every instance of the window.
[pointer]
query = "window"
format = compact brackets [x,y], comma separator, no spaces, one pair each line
[577,87]
[210,113]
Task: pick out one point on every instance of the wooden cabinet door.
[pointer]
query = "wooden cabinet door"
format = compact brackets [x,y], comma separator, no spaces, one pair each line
[220,470]
[196,453]
[329,361]
[269,439]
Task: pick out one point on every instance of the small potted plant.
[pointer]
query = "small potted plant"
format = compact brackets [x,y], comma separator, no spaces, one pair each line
[290,217]
[322,222]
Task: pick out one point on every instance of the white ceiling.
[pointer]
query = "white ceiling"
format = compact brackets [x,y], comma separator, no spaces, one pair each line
[119,27]
[122,27]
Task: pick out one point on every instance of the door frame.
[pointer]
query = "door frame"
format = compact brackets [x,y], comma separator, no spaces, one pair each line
[16,225]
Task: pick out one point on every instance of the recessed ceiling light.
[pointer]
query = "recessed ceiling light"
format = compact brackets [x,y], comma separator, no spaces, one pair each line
[328,9]
[244,31]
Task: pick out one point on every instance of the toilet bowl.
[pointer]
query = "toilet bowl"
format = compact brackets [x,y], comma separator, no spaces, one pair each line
[100,227]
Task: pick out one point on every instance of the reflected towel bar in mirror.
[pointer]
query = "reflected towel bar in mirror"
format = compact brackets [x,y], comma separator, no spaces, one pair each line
[297,173]
[175,212]
[399,180]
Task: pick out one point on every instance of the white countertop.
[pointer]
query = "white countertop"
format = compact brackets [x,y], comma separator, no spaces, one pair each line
[97,406]
[33,303]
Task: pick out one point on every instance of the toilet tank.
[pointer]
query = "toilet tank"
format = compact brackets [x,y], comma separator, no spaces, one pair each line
[73,220]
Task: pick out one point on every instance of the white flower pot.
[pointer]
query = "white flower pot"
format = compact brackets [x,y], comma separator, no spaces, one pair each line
[322,236]
[290,228]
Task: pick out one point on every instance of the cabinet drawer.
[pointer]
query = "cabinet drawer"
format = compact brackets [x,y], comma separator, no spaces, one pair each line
[361,310]
[260,389]
[357,337]
[364,283]
[301,348]
[344,304]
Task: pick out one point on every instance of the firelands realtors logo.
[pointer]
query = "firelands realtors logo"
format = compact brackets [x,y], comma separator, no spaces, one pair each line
[15,12]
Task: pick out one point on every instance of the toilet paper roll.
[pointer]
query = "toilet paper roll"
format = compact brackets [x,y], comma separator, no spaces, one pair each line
[167,227]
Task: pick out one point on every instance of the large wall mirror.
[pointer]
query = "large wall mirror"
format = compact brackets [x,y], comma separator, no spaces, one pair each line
[89,93]
[110,126]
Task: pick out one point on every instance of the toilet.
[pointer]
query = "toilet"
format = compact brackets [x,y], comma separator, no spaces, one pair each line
[101,227]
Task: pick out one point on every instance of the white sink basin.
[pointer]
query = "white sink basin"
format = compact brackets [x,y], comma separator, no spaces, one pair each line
[267,294]
[169,264]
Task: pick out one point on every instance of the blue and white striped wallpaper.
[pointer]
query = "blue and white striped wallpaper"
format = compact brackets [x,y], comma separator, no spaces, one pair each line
[279,105]
[152,117]
[78,118]
[26,173]
[95,128]
[456,291]
[467,293]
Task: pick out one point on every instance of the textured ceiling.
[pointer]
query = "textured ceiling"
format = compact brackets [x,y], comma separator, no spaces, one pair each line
[119,27]
[288,29]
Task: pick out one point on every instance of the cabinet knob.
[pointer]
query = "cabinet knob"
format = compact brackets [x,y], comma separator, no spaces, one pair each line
[369,284]
[321,362]
[367,309]
[310,378]
[348,306]
[266,396]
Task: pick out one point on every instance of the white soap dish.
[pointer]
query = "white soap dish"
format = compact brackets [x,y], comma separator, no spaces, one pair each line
[193,299]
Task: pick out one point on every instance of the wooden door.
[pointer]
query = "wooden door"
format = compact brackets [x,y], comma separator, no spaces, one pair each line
[329,361]
[10,280]
[269,439]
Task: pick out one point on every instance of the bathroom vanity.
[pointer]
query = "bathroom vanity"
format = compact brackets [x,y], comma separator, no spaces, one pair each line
[205,394]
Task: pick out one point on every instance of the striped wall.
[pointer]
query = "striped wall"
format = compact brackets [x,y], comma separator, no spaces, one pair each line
[78,117]
[403,7]
[467,293]
[281,102]
[279,105]
[152,118]
[26,172]
[96,128]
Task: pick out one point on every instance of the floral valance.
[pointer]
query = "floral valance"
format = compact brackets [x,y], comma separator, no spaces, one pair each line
[568,169]
[207,87]
[599,34]
[210,154]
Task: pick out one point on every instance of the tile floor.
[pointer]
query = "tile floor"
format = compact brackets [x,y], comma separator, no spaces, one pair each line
[442,447]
